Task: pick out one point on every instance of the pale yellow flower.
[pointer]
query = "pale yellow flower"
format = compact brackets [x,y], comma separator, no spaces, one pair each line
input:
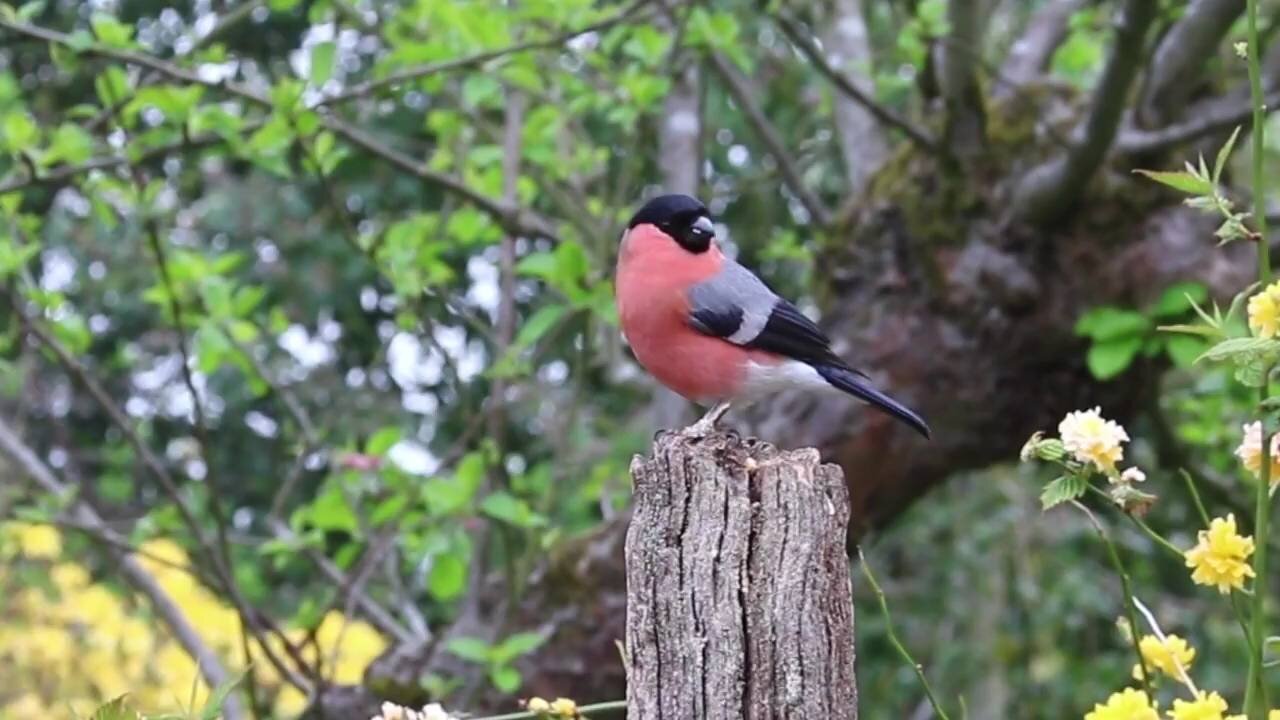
[564,707]
[1128,704]
[392,711]
[1133,475]
[1157,655]
[1090,438]
[538,705]
[37,541]
[1250,452]
[1209,706]
[1264,311]
[1220,558]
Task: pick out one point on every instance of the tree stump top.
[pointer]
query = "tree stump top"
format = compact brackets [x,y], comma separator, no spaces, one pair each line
[738,595]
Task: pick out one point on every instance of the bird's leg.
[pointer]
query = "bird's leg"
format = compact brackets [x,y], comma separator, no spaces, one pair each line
[707,423]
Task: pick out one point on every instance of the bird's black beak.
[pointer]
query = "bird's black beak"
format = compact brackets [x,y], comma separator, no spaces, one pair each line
[703,228]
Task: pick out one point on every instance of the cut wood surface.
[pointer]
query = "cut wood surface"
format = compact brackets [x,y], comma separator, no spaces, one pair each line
[738,596]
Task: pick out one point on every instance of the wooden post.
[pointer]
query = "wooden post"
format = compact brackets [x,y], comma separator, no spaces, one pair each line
[738,596]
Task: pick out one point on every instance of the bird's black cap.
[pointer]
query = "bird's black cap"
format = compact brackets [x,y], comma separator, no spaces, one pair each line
[667,208]
[683,218]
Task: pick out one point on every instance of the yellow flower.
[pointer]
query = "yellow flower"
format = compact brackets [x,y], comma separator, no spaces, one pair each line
[38,540]
[1264,311]
[1093,439]
[564,707]
[1250,451]
[538,705]
[1160,656]
[1204,707]
[1127,705]
[1273,715]
[1220,556]
[69,576]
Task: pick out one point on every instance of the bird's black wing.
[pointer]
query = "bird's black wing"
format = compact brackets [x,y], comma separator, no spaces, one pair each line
[737,306]
[791,333]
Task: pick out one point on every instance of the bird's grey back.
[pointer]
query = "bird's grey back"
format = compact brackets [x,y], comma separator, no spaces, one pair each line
[733,304]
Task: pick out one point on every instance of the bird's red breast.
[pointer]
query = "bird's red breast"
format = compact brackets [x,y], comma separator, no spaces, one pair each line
[653,279]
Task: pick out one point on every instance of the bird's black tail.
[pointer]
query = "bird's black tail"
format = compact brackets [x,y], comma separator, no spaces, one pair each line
[855,384]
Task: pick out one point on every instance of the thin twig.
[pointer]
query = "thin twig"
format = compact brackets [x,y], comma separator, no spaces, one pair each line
[1155,629]
[1124,585]
[769,135]
[584,710]
[897,643]
[792,30]
[418,72]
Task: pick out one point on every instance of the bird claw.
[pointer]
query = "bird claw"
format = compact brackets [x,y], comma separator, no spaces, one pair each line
[706,425]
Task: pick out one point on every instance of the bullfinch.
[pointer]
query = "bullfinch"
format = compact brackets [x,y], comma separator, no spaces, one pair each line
[712,331]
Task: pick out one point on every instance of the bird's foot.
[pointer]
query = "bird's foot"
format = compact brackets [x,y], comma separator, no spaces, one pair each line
[706,424]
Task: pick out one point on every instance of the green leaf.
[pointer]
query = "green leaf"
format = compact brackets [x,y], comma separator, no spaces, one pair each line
[469,648]
[1112,357]
[1200,330]
[1184,349]
[115,710]
[504,506]
[110,31]
[382,440]
[538,324]
[213,708]
[70,144]
[322,55]
[1063,489]
[1180,180]
[331,511]
[1232,347]
[1223,153]
[505,678]
[448,577]
[20,132]
[1112,323]
[28,11]
[388,509]
[517,645]
[1179,299]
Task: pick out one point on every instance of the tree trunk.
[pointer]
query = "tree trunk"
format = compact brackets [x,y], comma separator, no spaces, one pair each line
[738,595]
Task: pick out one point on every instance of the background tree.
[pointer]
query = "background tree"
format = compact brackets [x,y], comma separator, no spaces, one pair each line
[319,293]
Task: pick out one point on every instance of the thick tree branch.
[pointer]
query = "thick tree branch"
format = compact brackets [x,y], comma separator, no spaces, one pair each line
[1033,50]
[799,38]
[965,126]
[1050,189]
[736,84]
[863,145]
[1180,58]
[137,576]
[1205,118]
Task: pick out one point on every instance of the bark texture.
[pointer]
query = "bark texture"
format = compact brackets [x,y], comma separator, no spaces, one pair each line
[738,595]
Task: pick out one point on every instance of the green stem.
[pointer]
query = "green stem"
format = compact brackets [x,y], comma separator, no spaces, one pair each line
[897,644]
[1131,612]
[1195,496]
[584,710]
[1256,690]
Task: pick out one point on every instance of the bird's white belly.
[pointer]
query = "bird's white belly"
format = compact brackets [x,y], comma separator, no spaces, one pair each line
[762,380]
